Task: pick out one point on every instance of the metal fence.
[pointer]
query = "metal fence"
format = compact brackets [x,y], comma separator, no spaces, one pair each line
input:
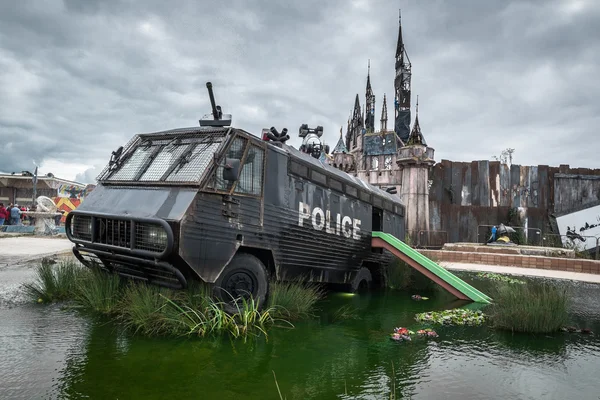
[533,236]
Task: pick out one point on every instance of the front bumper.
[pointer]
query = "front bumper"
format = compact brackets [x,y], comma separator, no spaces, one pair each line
[133,247]
[156,272]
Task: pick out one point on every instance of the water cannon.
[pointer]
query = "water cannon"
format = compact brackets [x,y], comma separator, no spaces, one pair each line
[274,135]
[312,143]
[391,190]
[304,131]
[216,118]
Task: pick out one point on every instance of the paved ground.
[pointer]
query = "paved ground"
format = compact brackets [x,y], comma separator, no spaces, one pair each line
[576,276]
[20,250]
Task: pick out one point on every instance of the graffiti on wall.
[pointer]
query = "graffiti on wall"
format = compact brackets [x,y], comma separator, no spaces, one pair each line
[67,205]
[581,228]
[74,191]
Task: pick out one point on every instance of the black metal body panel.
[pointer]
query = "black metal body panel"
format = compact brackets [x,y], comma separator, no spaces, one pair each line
[168,203]
[310,229]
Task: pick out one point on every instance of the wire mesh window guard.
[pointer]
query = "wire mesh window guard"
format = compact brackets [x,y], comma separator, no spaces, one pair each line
[251,176]
[166,157]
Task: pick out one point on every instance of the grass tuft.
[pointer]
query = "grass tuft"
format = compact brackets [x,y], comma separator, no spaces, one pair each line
[54,283]
[142,310]
[99,291]
[533,308]
[293,299]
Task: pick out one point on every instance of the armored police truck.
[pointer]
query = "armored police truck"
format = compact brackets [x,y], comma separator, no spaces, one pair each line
[217,204]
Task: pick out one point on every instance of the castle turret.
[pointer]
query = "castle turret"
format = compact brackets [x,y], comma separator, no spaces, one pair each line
[342,158]
[415,160]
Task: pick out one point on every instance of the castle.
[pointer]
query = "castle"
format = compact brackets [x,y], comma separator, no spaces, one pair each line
[397,158]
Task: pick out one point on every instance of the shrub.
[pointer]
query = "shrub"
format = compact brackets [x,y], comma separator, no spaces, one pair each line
[533,308]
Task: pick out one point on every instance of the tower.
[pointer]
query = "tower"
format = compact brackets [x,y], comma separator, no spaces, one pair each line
[383,122]
[402,89]
[415,159]
[370,104]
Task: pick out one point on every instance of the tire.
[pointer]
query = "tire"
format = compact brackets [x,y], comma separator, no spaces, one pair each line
[244,276]
[363,281]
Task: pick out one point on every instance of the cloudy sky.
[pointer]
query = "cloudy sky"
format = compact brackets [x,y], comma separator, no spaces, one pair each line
[79,78]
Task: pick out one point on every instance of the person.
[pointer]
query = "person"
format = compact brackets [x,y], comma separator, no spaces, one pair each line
[3,214]
[7,220]
[15,215]
[493,237]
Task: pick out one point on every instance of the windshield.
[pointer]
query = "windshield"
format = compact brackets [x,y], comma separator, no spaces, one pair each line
[166,159]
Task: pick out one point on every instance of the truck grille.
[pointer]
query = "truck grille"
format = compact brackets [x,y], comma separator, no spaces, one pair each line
[114,232]
[124,233]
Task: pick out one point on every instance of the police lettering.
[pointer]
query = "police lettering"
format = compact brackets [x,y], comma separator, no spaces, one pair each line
[321,220]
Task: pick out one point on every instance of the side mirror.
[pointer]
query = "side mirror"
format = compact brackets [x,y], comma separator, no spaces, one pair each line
[231,169]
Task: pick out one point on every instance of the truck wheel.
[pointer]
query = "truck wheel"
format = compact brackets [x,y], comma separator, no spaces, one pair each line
[363,281]
[245,276]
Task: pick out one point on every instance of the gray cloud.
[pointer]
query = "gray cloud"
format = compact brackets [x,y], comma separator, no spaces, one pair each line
[78,79]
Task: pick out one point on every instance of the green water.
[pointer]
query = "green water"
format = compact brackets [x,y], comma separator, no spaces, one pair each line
[47,352]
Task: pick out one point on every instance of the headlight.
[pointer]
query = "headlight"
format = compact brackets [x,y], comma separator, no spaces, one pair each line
[150,237]
[81,227]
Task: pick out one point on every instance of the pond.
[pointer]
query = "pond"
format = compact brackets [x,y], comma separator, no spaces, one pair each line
[49,352]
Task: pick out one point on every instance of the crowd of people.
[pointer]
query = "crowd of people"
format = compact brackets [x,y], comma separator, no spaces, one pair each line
[14,215]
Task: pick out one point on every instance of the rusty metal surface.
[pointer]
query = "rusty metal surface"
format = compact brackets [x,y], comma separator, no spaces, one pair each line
[464,195]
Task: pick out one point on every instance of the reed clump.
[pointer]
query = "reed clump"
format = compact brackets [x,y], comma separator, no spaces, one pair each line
[54,283]
[99,291]
[294,299]
[151,310]
[532,308]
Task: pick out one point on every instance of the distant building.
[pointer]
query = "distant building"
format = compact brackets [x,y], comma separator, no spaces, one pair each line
[398,158]
[373,155]
[18,188]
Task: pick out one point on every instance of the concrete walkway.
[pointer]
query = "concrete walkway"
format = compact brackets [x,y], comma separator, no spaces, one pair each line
[499,269]
[20,250]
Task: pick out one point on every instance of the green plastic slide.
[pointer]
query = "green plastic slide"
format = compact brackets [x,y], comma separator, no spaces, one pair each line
[434,268]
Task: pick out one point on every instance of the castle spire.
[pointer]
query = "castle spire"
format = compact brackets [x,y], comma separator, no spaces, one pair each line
[400,44]
[416,136]
[402,88]
[340,147]
[370,103]
[383,121]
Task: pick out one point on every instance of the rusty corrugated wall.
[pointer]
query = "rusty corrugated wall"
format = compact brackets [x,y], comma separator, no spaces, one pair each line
[464,195]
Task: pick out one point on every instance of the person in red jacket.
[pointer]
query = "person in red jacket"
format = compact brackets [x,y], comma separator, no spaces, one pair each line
[3,214]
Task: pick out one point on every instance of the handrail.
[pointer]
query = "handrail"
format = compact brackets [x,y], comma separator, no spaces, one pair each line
[537,231]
